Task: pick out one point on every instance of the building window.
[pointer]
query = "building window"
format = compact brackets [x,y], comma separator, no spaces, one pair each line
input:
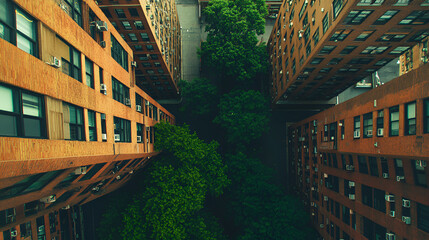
[419,172]
[348,50]
[340,35]
[379,200]
[399,50]
[385,17]
[73,122]
[316,37]
[394,121]
[364,35]
[18,28]
[380,123]
[391,37]
[384,167]
[367,125]
[373,167]
[416,18]
[133,37]
[139,25]
[140,132]
[374,50]
[7,216]
[120,13]
[89,69]
[357,17]
[399,170]
[121,93]
[426,116]
[22,113]
[338,6]
[103,127]
[92,126]
[72,68]
[410,118]
[325,23]
[145,37]
[423,217]
[139,103]
[363,166]
[367,195]
[356,127]
[326,50]
[126,25]
[118,53]
[73,9]
[346,215]
[122,129]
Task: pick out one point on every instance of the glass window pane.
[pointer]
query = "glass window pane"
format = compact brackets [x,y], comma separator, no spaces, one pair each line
[5,13]
[88,66]
[411,110]
[76,58]
[30,105]
[394,116]
[4,32]
[24,44]
[32,127]
[72,114]
[8,125]
[25,24]
[6,99]
[91,119]
[79,116]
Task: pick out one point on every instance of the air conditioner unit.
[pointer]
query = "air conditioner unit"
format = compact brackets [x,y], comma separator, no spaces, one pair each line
[14,233]
[392,213]
[127,102]
[139,108]
[325,175]
[325,139]
[56,62]
[48,199]
[103,44]
[356,134]
[147,128]
[406,220]
[332,138]
[104,136]
[351,184]
[352,197]
[340,124]
[389,198]
[312,204]
[118,177]
[103,87]
[390,236]
[151,16]
[117,137]
[100,25]
[350,168]
[147,103]
[369,133]
[380,132]
[290,24]
[385,175]
[406,203]
[322,225]
[322,10]
[139,139]
[80,171]
[134,64]
[421,163]
[325,198]
[399,178]
[41,228]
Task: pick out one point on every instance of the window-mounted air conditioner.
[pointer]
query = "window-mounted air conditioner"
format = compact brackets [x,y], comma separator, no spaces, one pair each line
[352,196]
[104,137]
[117,137]
[56,62]
[351,184]
[325,139]
[392,213]
[100,25]
[139,108]
[332,138]
[380,132]
[399,178]
[389,198]
[325,175]
[103,87]
[127,101]
[369,133]
[14,233]
[322,225]
[325,198]
[147,103]
[80,170]
[139,139]
[103,44]
[390,236]
[148,129]
[41,229]
[385,175]
[421,163]
[356,134]
[406,220]
[134,64]
[48,199]
[406,203]
[350,168]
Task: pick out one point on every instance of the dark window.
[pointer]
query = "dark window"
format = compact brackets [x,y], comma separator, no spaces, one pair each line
[123,129]
[92,126]
[384,167]
[7,216]
[73,117]
[416,18]
[73,9]
[374,50]
[325,23]
[357,17]
[346,215]
[372,230]
[120,13]
[363,165]
[140,128]
[92,171]
[410,118]
[145,37]
[367,125]
[139,103]
[367,195]
[373,167]
[316,61]
[338,6]
[394,121]
[419,172]
[426,116]
[364,35]
[22,113]
[348,49]
[18,28]
[385,17]
[103,127]
[139,25]
[118,53]
[380,123]
[391,37]
[340,35]
[89,69]
[316,37]
[423,217]
[327,50]
[121,93]
[356,127]
[399,170]
[133,37]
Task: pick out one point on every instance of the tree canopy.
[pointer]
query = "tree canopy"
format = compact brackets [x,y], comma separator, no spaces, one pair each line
[244,115]
[199,97]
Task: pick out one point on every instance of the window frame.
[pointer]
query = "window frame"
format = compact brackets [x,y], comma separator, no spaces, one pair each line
[394,110]
[93,128]
[408,121]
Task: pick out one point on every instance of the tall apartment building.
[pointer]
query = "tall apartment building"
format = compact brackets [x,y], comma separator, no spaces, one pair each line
[319,48]
[361,166]
[152,30]
[73,123]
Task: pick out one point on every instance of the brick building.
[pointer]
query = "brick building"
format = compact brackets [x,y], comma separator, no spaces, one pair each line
[74,124]
[361,166]
[320,48]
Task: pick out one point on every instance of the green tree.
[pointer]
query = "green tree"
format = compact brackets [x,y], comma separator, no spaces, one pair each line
[199,97]
[177,186]
[231,48]
[244,115]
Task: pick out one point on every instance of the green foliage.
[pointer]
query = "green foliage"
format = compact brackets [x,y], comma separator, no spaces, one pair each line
[231,46]
[200,97]
[170,205]
[244,115]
